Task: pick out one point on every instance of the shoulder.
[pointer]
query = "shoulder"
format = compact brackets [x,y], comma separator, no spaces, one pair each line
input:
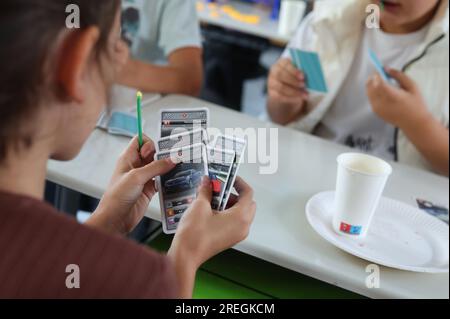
[41,247]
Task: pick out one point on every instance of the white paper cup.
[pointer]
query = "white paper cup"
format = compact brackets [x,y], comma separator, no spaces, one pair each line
[360,183]
[291,14]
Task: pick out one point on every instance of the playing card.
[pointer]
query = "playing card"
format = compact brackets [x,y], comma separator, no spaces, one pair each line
[437,211]
[238,146]
[220,163]
[178,121]
[119,123]
[379,67]
[309,63]
[178,188]
[182,140]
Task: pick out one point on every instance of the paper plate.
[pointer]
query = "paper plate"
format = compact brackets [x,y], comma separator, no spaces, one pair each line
[401,236]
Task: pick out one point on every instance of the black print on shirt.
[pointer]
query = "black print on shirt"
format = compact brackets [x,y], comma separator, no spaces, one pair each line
[364,144]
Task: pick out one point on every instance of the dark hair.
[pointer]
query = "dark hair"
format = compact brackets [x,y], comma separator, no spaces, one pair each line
[28,32]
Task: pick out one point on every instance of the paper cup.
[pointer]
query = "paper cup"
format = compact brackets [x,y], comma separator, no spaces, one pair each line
[360,183]
[291,14]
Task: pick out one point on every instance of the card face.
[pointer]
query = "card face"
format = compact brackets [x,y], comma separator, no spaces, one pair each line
[220,163]
[437,211]
[178,188]
[178,121]
[309,63]
[182,140]
[379,66]
[238,146]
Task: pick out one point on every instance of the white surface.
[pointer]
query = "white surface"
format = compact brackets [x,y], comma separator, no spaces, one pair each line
[291,13]
[400,236]
[280,233]
[267,28]
[360,183]
[123,98]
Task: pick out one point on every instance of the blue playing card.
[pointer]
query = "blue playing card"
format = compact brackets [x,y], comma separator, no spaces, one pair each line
[123,124]
[379,66]
[309,63]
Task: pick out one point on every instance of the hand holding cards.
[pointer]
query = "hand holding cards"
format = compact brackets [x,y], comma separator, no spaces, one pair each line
[184,139]
[380,68]
[309,63]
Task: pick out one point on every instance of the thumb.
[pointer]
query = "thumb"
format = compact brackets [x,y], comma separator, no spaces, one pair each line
[205,190]
[156,168]
[378,88]
[405,81]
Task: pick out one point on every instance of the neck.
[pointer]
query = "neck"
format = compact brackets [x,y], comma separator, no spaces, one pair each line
[412,26]
[24,172]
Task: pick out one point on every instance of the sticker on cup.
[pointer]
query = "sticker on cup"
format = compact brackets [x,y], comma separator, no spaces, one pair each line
[360,183]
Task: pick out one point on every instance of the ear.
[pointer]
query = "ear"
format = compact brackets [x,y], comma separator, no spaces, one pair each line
[74,58]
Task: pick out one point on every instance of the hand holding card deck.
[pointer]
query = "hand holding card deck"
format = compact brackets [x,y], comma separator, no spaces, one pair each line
[238,146]
[220,164]
[183,137]
[309,63]
[380,68]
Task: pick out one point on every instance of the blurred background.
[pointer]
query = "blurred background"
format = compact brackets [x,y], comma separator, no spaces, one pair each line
[242,39]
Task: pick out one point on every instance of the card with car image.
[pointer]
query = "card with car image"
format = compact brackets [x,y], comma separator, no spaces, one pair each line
[238,146]
[438,211]
[182,140]
[178,121]
[220,163]
[178,188]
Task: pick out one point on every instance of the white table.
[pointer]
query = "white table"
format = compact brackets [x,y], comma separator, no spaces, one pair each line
[280,233]
[267,28]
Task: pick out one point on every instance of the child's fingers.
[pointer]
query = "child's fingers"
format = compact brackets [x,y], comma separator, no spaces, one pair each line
[286,65]
[130,157]
[378,89]
[205,190]
[405,81]
[157,168]
[245,192]
[286,90]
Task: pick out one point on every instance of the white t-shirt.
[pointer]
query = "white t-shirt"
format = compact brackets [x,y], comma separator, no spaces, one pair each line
[156,28]
[351,120]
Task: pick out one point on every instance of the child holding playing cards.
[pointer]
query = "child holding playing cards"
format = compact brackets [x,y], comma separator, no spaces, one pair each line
[405,122]
[165,43]
[53,86]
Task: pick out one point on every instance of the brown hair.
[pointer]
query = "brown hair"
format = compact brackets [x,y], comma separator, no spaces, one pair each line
[28,31]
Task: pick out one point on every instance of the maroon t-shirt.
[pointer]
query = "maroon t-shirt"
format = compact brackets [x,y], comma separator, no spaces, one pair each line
[41,249]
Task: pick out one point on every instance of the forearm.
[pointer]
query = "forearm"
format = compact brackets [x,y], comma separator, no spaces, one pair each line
[431,138]
[102,221]
[185,272]
[283,113]
[162,79]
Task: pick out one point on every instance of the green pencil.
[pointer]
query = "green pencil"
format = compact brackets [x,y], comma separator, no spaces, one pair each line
[139,119]
[382,5]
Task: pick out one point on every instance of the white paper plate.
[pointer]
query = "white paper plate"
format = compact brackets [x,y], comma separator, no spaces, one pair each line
[400,236]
